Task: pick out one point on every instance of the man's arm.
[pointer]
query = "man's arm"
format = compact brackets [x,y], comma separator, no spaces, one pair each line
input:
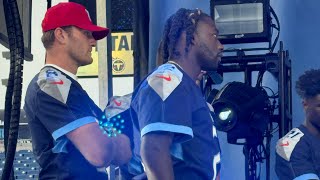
[155,153]
[99,149]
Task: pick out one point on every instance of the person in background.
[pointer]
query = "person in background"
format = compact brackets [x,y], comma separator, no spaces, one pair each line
[298,152]
[168,108]
[66,138]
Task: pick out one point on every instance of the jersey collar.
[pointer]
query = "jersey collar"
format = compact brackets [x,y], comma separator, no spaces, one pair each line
[63,70]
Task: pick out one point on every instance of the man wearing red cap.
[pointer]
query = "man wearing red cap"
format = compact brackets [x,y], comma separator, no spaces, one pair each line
[67,140]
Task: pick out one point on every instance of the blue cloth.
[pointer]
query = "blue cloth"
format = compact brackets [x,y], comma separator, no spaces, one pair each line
[298,155]
[56,104]
[169,100]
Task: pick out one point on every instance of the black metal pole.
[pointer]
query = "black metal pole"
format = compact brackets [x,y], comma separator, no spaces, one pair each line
[49,4]
[282,110]
[289,89]
[109,48]
[267,153]
[246,161]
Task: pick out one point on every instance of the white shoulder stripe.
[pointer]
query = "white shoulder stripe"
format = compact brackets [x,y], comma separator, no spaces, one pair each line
[165,79]
[55,84]
[286,145]
[167,127]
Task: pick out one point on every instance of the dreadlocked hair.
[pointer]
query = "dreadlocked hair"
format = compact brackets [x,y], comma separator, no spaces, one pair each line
[308,84]
[183,20]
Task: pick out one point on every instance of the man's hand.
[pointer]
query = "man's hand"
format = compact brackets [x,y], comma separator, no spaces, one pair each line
[122,149]
[99,149]
[199,77]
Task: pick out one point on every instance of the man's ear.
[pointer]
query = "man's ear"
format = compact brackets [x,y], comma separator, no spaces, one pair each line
[304,104]
[60,35]
[194,39]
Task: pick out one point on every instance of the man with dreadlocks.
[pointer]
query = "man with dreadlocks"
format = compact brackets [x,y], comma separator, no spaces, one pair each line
[298,152]
[168,107]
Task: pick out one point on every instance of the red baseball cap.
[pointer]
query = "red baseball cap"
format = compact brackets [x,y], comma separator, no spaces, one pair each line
[71,14]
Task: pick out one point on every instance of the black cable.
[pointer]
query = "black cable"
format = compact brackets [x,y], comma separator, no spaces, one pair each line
[276,27]
[260,77]
[271,27]
[274,95]
[10,85]
[9,92]
[16,46]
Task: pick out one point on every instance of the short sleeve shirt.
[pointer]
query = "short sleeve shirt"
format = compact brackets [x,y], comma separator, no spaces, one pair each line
[56,104]
[169,100]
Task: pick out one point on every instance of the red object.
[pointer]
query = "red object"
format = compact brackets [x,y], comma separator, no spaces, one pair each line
[117,103]
[168,78]
[285,144]
[71,14]
[57,82]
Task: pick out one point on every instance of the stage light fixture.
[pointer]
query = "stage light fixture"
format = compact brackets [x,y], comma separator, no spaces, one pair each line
[242,21]
[241,111]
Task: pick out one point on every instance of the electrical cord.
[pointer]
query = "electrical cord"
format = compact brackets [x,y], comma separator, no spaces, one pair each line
[14,89]
[275,27]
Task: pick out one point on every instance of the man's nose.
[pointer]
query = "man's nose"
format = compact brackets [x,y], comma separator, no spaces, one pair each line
[220,46]
[93,42]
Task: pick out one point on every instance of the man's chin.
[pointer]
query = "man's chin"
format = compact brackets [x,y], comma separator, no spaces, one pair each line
[86,63]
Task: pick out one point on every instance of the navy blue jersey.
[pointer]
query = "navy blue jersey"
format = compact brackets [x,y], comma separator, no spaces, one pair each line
[56,104]
[169,100]
[298,155]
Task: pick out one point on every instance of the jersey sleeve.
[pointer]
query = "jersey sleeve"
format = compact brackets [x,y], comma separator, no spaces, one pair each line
[163,104]
[62,106]
[293,157]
